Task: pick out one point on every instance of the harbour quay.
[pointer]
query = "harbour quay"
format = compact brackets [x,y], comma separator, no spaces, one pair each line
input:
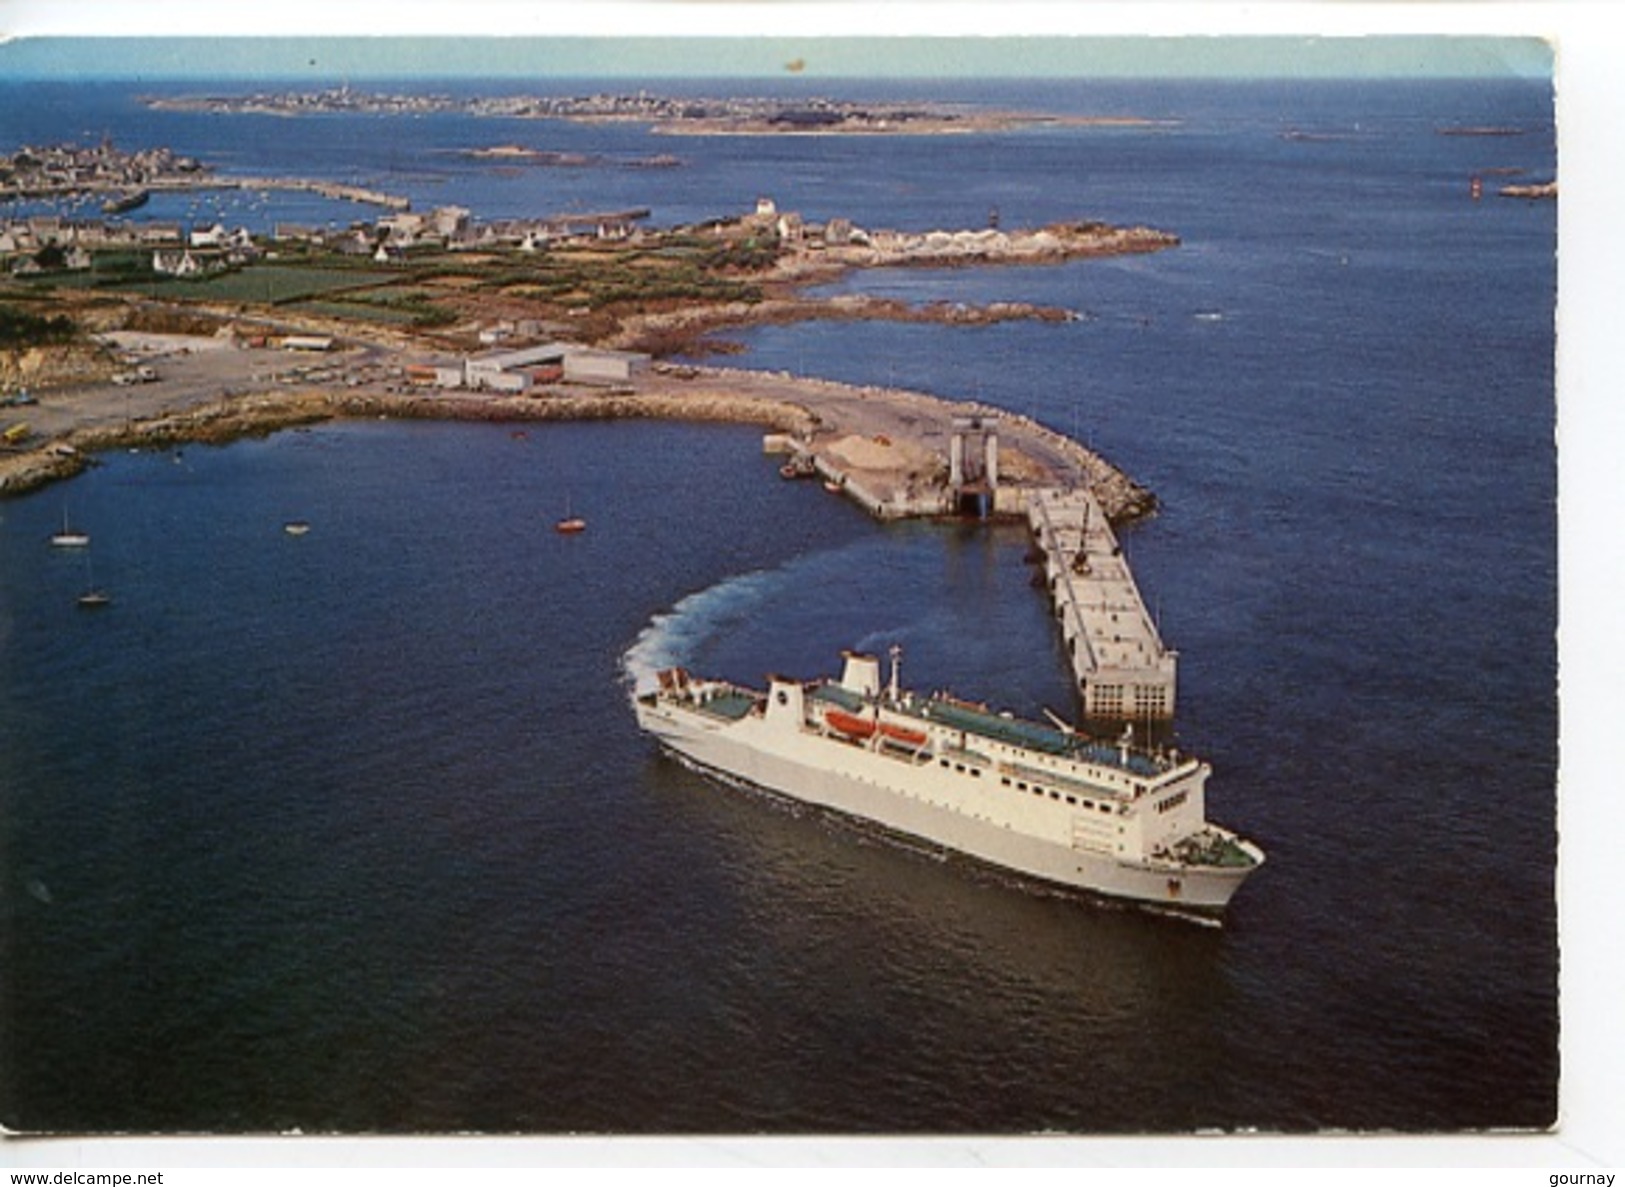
[1122,668]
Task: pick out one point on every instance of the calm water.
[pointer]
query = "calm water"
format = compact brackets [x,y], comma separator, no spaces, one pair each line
[354,831]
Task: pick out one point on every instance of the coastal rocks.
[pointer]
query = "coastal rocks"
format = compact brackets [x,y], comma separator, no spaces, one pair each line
[677,331]
[212,424]
[698,405]
[53,366]
[1053,243]
[20,473]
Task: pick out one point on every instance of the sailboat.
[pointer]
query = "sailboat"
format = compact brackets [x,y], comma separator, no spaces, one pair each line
[94,597]
[69,537]
[571,524]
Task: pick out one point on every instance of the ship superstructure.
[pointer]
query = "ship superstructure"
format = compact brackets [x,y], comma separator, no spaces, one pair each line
[1041,800]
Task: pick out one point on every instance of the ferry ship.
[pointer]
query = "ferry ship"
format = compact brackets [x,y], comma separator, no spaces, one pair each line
[1041,800]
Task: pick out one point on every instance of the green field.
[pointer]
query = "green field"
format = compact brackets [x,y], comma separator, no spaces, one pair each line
[261,284]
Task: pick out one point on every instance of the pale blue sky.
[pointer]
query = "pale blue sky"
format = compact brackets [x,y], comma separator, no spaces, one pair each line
[326,59]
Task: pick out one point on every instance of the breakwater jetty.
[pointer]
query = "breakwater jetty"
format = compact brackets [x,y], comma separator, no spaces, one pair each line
[1122,668]
[327,189]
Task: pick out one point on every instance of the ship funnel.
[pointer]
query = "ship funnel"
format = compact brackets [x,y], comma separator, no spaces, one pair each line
[861,673]
[786,703]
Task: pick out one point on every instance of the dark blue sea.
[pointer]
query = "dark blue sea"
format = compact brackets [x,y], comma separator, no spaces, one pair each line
[355,832]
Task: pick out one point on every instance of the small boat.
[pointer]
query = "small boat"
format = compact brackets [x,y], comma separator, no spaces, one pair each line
[94,597]
[572,524]
[296,527]
[69,537]
[127,201]
[833,487]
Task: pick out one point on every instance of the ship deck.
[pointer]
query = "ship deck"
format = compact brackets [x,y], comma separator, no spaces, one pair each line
[1031,735]
[730,705]
[985,723]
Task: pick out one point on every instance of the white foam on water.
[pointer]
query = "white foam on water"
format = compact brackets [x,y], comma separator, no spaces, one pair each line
[678,637]
[673,639]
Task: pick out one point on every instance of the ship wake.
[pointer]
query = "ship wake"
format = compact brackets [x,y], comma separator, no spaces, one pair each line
[684,635]
[676,637]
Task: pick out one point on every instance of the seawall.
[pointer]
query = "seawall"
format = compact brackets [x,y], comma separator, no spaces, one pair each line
[889,444]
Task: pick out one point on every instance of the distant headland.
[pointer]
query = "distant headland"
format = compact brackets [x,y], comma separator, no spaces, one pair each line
[744,115]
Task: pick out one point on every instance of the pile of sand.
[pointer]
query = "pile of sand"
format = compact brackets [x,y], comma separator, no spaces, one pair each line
[868,453]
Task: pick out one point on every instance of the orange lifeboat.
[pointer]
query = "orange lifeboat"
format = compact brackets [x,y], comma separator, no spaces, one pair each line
[862,728]
[906,736]
[849,724]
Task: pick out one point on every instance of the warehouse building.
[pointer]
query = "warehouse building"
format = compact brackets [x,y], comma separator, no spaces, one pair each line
[515,371]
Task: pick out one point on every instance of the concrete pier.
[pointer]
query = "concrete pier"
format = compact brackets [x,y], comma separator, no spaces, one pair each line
[1122,668]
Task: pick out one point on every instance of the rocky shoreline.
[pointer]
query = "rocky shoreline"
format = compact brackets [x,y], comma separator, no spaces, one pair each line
[683,330]
[818,413]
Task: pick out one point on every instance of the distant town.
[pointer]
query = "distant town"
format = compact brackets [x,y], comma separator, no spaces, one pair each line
[67,169]
[693,116]
[126,180]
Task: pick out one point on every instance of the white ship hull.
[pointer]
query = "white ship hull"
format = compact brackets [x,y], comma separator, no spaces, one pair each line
[978,812]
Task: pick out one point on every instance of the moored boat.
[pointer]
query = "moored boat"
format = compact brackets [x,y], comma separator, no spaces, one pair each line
[69,536]
[131,200]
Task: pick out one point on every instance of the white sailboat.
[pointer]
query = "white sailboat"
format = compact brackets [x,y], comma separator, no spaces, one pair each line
[94,597]
[69,537]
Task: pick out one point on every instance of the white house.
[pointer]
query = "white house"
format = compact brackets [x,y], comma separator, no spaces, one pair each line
[176,263]
[213,236]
